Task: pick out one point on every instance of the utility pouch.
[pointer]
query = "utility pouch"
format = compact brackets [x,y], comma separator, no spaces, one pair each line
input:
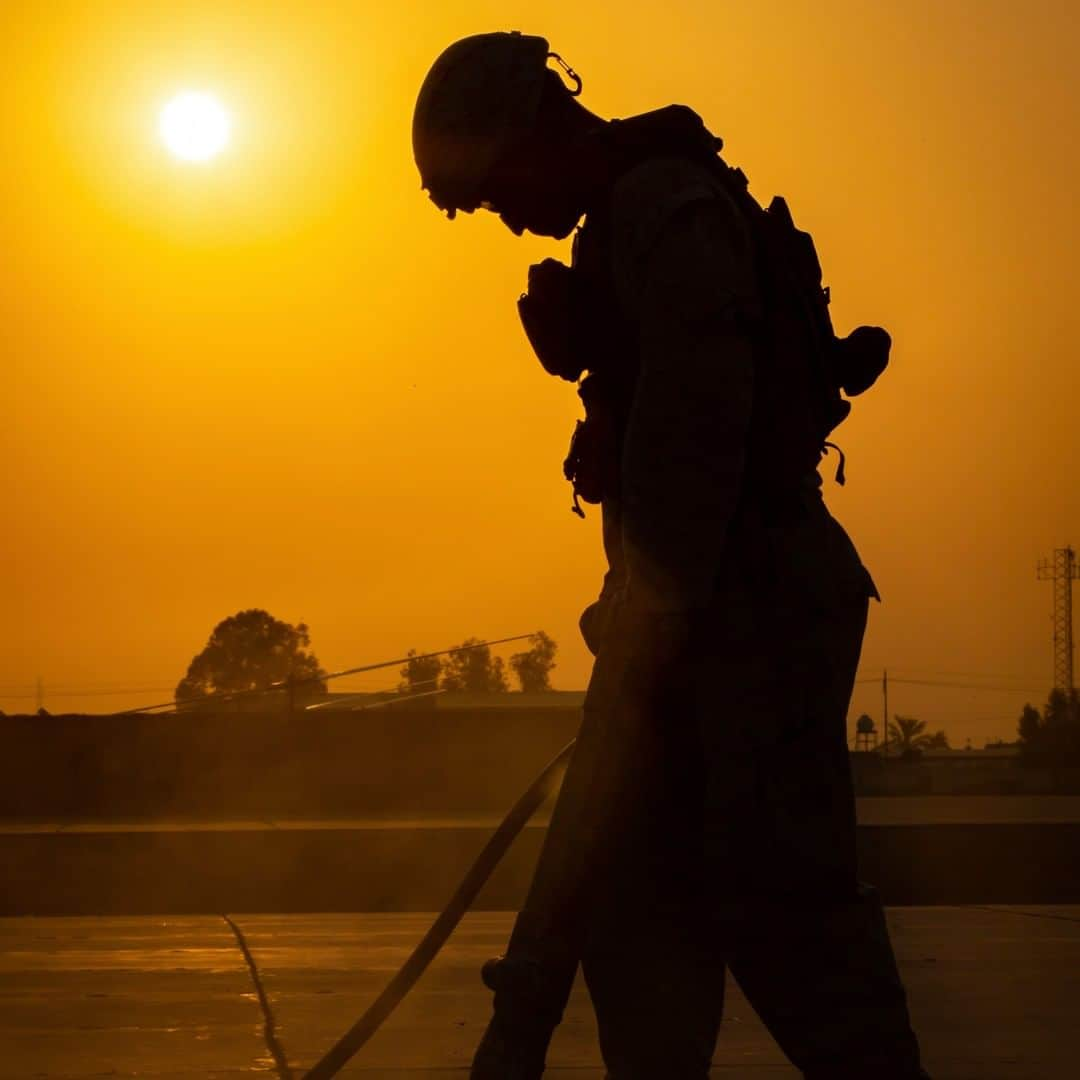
[840,366]
[592,461]
[860,358]
[548,313]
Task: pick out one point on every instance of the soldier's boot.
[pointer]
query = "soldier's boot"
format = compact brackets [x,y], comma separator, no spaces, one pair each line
[528,1007]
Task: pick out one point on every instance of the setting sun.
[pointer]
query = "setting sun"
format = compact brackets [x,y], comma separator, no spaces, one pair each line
[194,126]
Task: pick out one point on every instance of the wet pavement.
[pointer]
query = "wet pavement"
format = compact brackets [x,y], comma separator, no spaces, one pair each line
[993,993]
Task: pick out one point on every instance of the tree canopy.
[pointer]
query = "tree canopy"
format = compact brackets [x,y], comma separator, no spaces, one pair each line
[252,650]
[1028,725]
[1053,734]
[474,670]
[420,675]
[907,734]
[910,736]
[533,667]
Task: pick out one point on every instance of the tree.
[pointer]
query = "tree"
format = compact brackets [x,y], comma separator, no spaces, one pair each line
[252,650]
[533,667]
[1060,709]
[907,734]
[420,674]
[1029,727]
[1054,735]
[938,741]
[473,670]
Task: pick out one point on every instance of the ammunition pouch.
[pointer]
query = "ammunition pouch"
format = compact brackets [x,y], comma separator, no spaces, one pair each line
[808,369]
[592,461]
[549,314]
[860,358]
[569,329]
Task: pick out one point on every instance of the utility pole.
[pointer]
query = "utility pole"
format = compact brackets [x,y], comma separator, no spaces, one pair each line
[885,709]
[1062,571]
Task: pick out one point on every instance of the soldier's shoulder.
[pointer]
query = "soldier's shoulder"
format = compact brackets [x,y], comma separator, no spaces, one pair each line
[649,197]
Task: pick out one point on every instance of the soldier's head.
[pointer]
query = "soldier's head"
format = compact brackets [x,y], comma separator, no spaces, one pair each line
[495,128]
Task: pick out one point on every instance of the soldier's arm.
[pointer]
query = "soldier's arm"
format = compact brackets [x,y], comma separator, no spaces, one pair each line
[685,447]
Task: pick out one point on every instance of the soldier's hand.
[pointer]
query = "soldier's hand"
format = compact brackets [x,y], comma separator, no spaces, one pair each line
[595,621]
[645,658]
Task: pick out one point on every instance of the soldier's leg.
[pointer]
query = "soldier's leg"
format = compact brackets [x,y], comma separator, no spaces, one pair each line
[606,772]
[813,954]
[658,997]
[533,980]
[821,975]
[656,988]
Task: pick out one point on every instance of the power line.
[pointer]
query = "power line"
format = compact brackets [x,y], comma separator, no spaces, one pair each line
[89,693]
[84,685]
[289,684]
[920,672]
[394,700]
[958,685]
[388,696]
[971,686]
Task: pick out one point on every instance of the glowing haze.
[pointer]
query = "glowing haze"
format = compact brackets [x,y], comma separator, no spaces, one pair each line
[283,380]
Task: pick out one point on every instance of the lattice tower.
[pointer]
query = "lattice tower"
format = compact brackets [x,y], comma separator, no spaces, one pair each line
[1062,570]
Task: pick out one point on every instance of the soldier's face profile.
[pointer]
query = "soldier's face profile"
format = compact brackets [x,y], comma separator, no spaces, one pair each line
[542,221]
[526,194]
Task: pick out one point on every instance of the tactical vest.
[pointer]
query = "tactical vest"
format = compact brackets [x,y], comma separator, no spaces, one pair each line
[576,324]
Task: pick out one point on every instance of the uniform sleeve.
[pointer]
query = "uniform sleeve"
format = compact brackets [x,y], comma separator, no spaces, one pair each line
[685,444]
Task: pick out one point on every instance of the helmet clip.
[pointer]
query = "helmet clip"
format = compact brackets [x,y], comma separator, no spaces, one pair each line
[571,73]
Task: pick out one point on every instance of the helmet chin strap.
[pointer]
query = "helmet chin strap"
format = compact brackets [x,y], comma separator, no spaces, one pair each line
[570,72]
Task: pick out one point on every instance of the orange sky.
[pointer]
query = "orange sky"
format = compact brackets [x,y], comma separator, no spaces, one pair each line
[284,381]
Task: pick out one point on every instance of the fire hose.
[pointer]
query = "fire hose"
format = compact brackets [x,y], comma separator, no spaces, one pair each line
[335,1059]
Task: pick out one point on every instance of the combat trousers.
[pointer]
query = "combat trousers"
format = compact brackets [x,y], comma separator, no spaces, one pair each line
[707,822]
[738,851]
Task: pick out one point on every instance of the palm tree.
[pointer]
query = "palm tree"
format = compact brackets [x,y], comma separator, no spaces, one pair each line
[907,734]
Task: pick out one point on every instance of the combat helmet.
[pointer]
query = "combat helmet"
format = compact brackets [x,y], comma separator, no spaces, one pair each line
[478,101]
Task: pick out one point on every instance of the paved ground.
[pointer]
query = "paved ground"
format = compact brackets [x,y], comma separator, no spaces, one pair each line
[994,992]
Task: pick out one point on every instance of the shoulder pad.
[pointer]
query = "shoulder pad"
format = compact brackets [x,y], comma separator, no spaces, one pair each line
[645,200]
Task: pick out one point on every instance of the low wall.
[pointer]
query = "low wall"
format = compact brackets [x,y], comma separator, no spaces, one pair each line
[320,764]
[340,764]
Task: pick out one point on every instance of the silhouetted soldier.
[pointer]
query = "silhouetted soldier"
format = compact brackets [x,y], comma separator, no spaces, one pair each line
[707,818]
